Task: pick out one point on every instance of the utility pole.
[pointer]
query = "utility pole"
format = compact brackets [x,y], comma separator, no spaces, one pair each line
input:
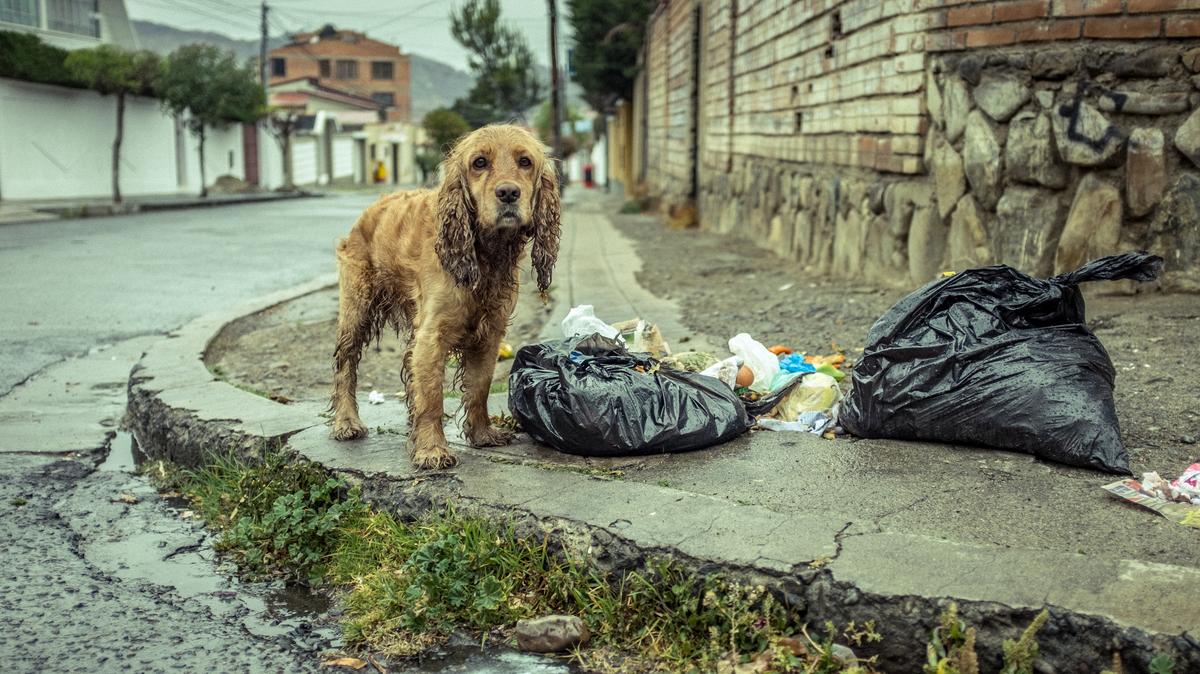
[262,51]
[555,84]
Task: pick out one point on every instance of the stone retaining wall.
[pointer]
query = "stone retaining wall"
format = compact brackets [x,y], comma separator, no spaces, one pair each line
[1045,158]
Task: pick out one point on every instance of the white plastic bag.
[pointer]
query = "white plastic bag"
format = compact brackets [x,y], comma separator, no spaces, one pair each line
[581,320]
[725,370]
[763,363]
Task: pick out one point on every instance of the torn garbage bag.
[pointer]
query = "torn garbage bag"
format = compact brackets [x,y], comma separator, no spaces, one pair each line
[994,357]
[591,397]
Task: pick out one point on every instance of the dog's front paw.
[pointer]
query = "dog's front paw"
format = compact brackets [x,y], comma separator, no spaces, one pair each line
[435,457]
[490,436]
[348,429]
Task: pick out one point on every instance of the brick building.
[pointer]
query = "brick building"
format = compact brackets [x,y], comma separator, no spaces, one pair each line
[892,139]
[348,61]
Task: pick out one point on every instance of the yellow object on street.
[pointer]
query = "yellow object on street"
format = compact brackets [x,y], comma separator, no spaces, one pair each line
[506,351]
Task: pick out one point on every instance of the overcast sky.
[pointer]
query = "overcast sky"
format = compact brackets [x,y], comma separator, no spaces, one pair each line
[420,26]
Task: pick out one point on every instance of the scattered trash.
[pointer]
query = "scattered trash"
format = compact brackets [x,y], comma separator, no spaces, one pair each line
[725,370]
[505,352]
[1184,489]
[551,634]
[643,337]
[592,397]
[352,663]
[376,398]
[995,357]
[786,287]
[761,362]
[809,406]
[795,362]
[779,350]
[817,392]
[691,361]
[127,498]
[1177,500]
[808,422]
[581,321]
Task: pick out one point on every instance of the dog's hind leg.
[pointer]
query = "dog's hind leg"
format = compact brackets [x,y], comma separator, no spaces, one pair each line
[355,304]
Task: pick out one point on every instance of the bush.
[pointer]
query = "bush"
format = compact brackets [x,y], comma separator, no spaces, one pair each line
[26,57]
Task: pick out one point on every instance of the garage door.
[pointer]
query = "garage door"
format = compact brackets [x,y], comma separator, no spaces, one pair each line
[304,160]
[343,158]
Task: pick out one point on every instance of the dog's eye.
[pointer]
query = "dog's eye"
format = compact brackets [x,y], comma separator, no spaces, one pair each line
[479,163]
[524,162]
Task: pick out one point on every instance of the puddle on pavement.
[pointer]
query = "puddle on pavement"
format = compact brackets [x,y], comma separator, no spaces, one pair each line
[470,659]
[155,545]
[122,454]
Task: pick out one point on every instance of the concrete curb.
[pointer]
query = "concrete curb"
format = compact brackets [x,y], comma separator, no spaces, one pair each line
[51,212]
[178,411]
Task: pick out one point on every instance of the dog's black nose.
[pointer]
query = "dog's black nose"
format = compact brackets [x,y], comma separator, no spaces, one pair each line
[508,192]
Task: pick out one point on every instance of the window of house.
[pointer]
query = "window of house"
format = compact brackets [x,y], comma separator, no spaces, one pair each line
[80,17]
[347,70]
[278,67]
[385,98]
[382,70]
[325,69]
[24,12]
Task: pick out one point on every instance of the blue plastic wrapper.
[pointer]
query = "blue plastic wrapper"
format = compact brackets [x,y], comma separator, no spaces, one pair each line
[995,357]
[586,397]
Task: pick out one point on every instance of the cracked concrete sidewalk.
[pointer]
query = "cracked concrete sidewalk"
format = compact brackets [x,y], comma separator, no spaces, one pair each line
[852,530]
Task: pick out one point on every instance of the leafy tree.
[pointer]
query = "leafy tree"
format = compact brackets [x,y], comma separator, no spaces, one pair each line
[506,83]
[571,142]
[443,126]
[608,34]
[427,162]
[112,70]
[26,57]
[212,88]
[281,123]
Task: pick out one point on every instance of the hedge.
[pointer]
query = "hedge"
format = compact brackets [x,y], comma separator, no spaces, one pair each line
[26,57]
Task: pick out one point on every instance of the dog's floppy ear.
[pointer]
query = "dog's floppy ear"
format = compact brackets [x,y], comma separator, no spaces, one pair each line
[546,224]
[456,237]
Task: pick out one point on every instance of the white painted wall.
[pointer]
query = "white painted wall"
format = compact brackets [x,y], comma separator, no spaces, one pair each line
[56,143]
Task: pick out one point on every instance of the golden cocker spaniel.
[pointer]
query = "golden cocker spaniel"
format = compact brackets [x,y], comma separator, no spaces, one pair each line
[441,266]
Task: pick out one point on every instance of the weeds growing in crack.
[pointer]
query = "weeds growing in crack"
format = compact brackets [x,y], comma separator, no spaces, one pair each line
[407,585]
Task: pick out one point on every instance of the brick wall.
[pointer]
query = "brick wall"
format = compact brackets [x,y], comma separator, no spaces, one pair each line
[820,122]
[970,25]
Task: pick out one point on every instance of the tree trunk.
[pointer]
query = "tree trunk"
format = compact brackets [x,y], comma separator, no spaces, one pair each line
[286,138]
[116,157]
[203,181]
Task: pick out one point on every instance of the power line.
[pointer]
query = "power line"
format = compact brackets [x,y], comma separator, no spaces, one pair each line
[200,12]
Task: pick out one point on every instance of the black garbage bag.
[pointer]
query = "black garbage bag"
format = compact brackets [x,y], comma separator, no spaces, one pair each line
[997,358]
[584,396]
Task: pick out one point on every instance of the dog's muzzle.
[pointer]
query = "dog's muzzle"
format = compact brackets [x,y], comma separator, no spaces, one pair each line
[508,215]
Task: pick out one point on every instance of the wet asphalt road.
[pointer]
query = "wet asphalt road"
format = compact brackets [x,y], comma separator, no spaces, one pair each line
[97,572]
[88,582]
[73,284]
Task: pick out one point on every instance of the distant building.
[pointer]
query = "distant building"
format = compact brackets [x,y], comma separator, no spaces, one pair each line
[70,24]
[348,61]
[307,96]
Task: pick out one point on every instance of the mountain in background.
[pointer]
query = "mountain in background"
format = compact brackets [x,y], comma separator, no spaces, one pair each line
[434,84]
